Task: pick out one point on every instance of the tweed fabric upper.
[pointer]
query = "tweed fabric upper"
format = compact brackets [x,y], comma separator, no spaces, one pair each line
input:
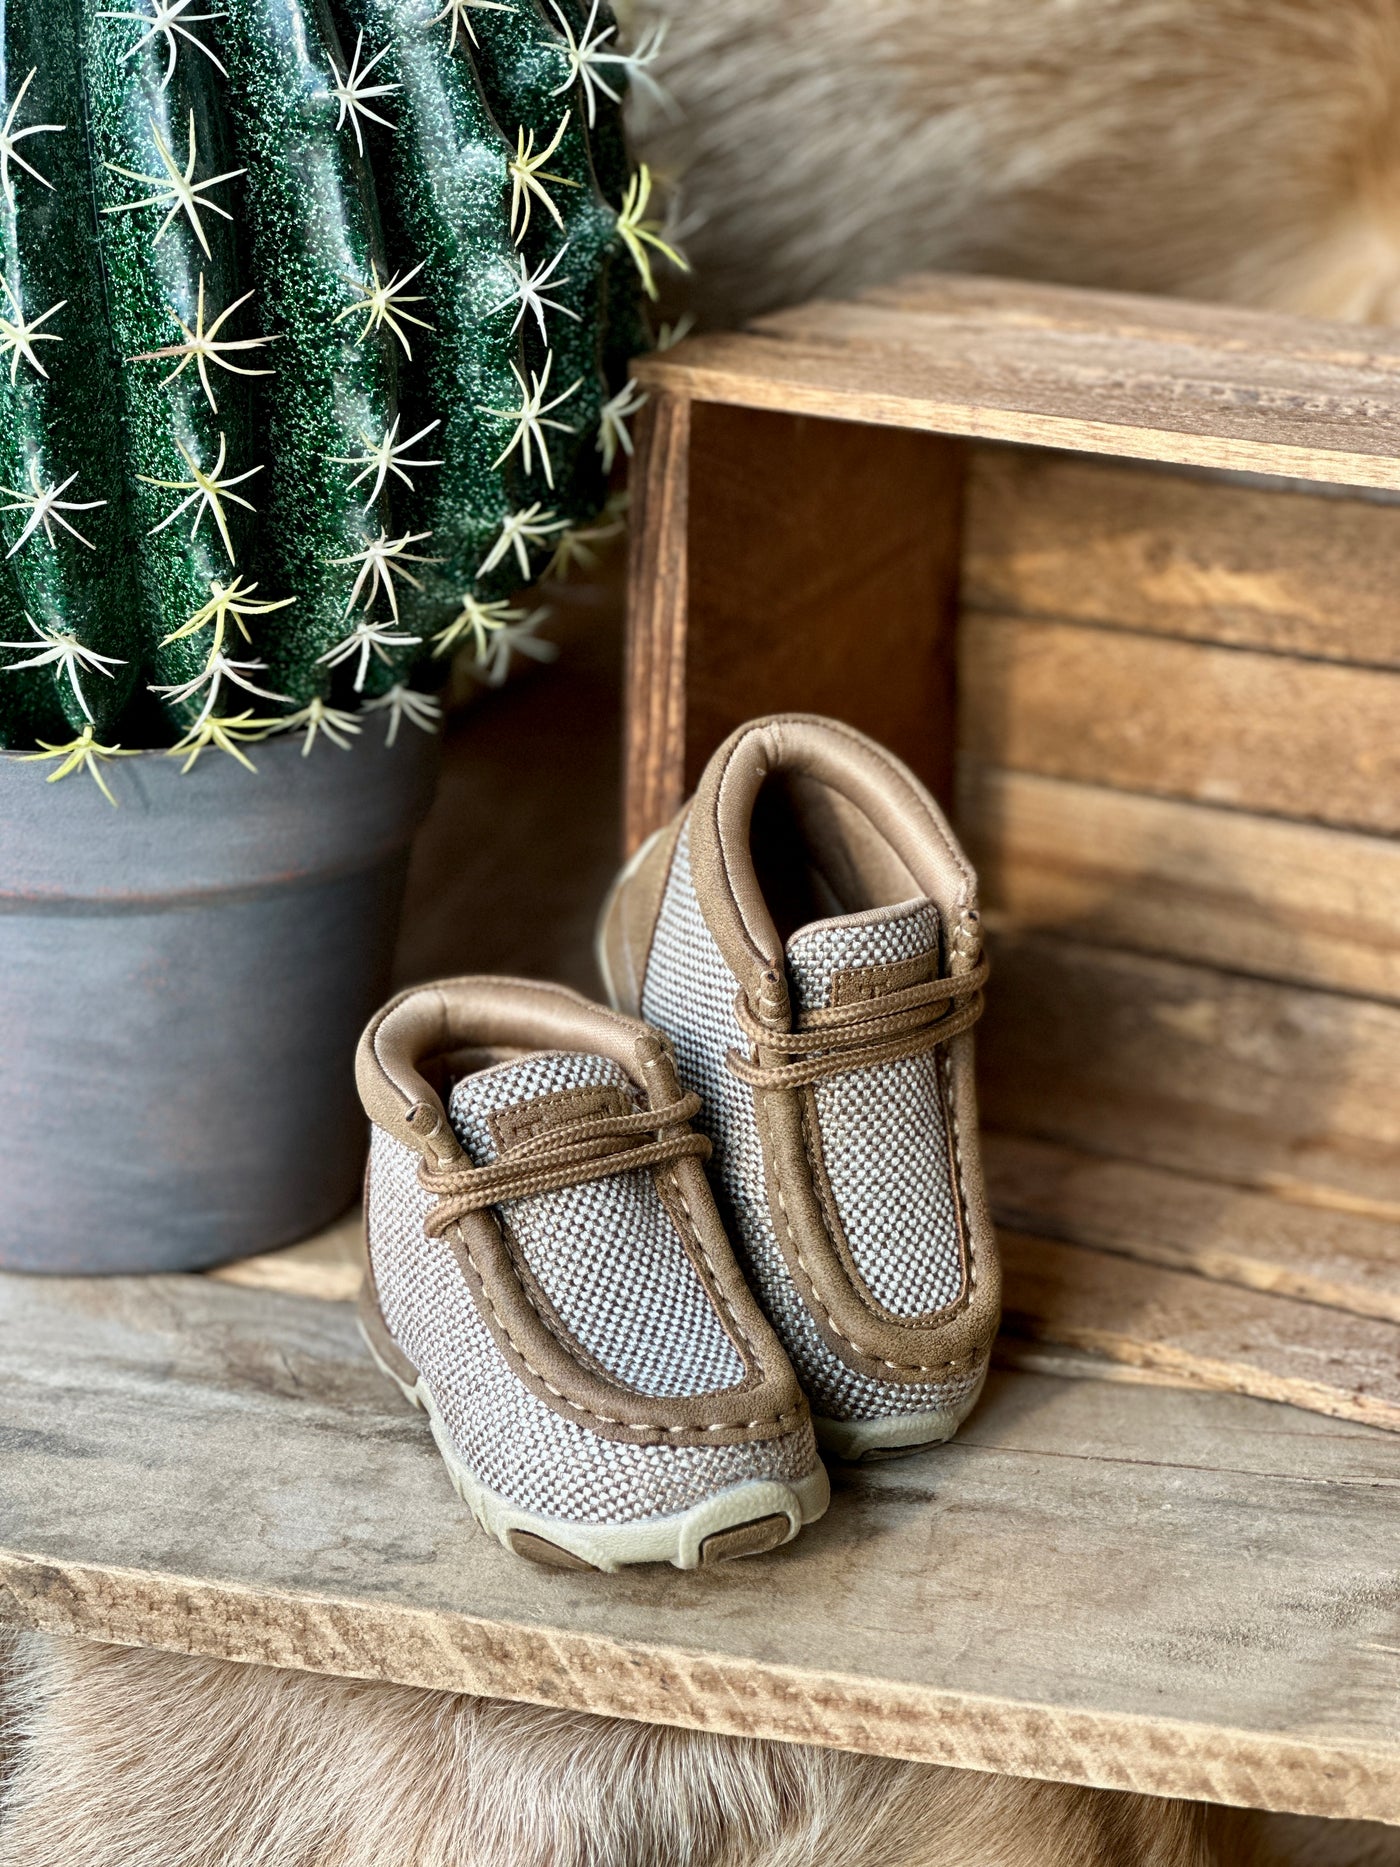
[606,1254]
[884,1132]
[516,1445]
[689,994]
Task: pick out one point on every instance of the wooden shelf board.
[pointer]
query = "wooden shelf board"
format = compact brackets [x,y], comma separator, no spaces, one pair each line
[1213,1334]
[1133,1586]
[1090,372]
[1309,1254]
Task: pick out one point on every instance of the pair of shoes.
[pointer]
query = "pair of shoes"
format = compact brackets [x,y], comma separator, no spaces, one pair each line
[624,1359]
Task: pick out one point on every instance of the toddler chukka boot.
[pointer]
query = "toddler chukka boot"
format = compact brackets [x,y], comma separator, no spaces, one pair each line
[806,935]
[548,1277]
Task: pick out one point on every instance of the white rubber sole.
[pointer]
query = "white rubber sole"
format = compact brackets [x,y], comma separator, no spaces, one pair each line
[894,1436]
[745,1520]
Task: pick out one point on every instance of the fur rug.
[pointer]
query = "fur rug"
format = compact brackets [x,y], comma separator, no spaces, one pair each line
[140,1759]
[1246,150]
[128,1758]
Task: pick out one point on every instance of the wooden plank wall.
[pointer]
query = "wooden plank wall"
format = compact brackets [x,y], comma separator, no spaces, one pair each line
[1179,774]
[783,563]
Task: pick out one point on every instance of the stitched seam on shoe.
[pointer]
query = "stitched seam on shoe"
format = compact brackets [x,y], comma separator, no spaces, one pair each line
[535,1297]
[673,1180]
[883,1361]
[788,1420]
[951,1105]
[826,1201]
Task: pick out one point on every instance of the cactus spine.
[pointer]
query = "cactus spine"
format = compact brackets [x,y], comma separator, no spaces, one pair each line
[313,347]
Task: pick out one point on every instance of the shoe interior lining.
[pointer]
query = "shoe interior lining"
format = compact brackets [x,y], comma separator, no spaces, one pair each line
[445,1070]
[816,855]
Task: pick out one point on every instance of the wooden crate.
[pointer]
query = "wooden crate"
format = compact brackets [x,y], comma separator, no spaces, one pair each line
[1118,577]
[1107,1578]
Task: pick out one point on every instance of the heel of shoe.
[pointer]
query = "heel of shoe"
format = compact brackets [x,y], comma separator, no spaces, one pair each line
[623,933]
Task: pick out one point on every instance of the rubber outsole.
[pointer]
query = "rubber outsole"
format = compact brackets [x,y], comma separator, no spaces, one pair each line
[745,1520]
[893,1436]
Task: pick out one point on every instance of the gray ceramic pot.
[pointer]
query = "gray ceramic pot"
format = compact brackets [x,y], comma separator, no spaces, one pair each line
[182,983]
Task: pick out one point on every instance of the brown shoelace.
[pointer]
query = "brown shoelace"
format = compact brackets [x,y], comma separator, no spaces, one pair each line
[591,1149]
[853,1037]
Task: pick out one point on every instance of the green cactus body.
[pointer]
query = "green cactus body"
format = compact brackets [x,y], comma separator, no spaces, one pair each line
[525,75]
[172,272]
[305,348]
[61,444]
[593,29]
[318,257]
[443,167]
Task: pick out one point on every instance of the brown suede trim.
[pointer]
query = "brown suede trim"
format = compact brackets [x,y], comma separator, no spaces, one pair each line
[457,1014]
[826,1199]
[429,1021]
[522,1122]
[541,1362]
[866,1337]
[628,922]
[860,984]
[856,785]
[885,794]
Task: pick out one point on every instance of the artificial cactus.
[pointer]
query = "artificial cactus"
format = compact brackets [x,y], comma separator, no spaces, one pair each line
[313,348]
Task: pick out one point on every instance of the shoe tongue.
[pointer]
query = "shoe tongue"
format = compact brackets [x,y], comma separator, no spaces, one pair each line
[899,937]
[478,1102]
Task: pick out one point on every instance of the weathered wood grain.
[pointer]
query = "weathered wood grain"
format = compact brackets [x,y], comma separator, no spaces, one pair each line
[1030,305]
[1262,732]
[1251,893]
[822,555]
[1341,1259]
[1182,1593]
[1175,554]
[1267,1086]
[744,603]
[1088,372]
[328,1266]
[657,584]
[1218,1334]
[1078,1364]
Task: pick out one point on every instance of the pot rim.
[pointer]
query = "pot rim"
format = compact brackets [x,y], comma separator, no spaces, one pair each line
[177,836]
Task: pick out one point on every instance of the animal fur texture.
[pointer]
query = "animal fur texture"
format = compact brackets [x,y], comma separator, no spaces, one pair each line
[1243,150]
[149,1760]
[130,1758]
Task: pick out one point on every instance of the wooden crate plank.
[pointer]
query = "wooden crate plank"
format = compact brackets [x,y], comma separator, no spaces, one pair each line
[221,1471]
[1255,894]
[806,602]
[1078,1364]
[1267,1086]
[658,575]
[1303,739]
[1089,372]
[742,605]
[1343,1259]
[1031,305]
[1176,554]
[1222,1336]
